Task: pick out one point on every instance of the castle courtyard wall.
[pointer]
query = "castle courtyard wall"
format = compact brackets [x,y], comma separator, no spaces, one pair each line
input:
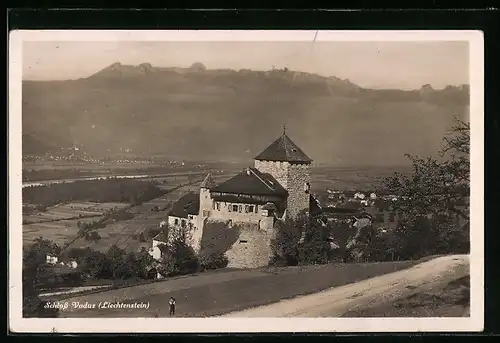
[252,249]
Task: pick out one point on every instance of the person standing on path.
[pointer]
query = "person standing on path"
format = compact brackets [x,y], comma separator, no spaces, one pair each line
[171,303]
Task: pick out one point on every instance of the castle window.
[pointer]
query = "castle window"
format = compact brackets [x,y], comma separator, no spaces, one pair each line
[307,186]
[256,209]
[235,208]
[183,223]
[391,217]
[250,209]
[243,241]
[240,208]
[176,221]
[217,206]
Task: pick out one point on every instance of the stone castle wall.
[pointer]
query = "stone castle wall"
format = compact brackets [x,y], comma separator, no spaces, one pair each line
[298,199]
[279,170]
[252,249]
[293,177]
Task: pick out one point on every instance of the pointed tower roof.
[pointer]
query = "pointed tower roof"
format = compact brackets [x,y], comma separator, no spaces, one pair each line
[284,150]
[208,182]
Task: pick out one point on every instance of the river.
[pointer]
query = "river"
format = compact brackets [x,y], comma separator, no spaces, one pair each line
[50,182]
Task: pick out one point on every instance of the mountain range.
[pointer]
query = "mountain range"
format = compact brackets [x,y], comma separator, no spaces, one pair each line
[196,113]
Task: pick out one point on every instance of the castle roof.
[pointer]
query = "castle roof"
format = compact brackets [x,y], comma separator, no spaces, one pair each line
[269,206]
[208,182]
[187,204]
[284,150]
[161,237]
[314,205]
[251,182]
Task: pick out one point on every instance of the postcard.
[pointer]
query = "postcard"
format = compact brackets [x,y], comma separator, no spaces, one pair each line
[209,181]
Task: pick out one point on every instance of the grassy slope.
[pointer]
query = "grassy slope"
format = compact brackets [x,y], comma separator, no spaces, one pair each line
[453,300]
[248,288]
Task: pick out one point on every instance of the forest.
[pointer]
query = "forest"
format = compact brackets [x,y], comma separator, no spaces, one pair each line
[104,190]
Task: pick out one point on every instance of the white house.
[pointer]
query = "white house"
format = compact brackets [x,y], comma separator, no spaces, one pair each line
[49,259]
[159,239]
[72,264]
[360,196]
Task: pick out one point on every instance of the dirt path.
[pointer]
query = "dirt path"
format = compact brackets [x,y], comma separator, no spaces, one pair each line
[368,293]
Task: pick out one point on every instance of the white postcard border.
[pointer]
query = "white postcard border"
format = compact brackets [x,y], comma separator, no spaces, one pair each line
[213,325]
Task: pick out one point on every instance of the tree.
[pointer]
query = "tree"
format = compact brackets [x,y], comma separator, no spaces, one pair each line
[315,247]
[301,239]
[78,254]
[97,265]
[92,236]
[178,257]
[434,199]
[143,262]
[340,233]
[286,243]
[118,267]
[212,260]
[33,269]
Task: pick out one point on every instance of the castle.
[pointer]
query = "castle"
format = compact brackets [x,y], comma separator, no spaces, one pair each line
[249,204]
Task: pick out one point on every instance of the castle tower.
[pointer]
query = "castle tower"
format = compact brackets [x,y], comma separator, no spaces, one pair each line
[206,202]
[291,167]
[205,210]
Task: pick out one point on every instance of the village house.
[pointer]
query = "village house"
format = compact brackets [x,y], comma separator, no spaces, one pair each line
[277,186]
[51,259]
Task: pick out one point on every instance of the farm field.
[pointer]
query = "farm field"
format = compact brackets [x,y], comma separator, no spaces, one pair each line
[59,223]
[73,210]
[123,233]
[59,232]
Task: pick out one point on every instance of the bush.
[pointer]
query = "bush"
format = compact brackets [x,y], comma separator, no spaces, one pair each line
[279,261]
[142,237]
[115,264]
[300,241]
[92,236]
[178,259]
[212,260]
[78,254]
[121,215]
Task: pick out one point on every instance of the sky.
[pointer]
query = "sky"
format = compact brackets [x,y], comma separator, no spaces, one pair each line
[399,65]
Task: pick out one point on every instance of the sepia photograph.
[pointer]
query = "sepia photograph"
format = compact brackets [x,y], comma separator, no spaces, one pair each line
[207,181]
